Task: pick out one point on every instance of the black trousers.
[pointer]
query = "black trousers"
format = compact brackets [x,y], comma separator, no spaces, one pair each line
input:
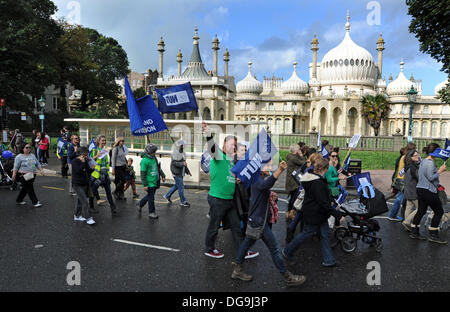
[27,188]
[425,199]
[64,166]
[43,154]
[120,180]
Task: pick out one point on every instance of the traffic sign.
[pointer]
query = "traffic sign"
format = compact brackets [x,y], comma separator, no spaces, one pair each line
[41,117]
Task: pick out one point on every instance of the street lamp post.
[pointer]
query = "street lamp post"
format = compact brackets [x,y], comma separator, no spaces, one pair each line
[412,94]
[42,105]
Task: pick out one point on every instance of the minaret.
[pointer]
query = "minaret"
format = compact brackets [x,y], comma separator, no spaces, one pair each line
[314,48]
[226,59]
[347,25]
[380,48]
[179,61]
[161,52]
[215,48]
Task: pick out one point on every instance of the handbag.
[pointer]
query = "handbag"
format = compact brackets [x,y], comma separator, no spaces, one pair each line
[28,176]
[256,232]
[399,184]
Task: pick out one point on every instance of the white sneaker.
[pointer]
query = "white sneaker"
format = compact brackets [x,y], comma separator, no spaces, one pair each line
[37,205]
[21,203]
[90,221]
[80,218]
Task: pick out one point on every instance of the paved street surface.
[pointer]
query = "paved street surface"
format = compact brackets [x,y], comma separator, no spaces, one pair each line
[38,243]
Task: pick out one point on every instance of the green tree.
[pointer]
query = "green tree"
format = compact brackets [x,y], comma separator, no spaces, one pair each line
[374,110]
[431,25]
[91,63]
[139,92]
[28,60]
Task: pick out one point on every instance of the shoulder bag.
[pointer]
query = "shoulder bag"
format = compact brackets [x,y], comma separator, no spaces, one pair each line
[256,233]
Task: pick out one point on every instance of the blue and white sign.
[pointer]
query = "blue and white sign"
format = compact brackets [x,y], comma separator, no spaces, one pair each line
[260,152]
[143,113]
[179,98]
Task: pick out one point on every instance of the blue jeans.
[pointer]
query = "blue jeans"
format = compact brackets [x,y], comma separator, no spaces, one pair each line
[308,232]
[107,186]
[396,206]
[150,199]
[270,241]
[178,185]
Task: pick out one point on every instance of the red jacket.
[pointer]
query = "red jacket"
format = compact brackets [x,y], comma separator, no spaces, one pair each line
[43,144]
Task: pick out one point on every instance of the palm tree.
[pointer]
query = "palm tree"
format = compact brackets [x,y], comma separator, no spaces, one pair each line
[375,109]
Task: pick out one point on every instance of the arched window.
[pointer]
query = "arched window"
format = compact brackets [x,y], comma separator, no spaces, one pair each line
[287,126]
[392,126]
[434,133]
[294,107]
[415,129]
[424,130]
[278,125]
[444,130]
[247,106]
[271,108]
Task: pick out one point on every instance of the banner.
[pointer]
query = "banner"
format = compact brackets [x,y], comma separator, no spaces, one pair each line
[354,141]
[92,145]
[325,153]
[260,153]
[347,161]
[143,113]
[179,98]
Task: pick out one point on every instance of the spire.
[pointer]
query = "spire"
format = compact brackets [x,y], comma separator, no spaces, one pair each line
[401,65]
[195,68]
[196,37]
[295,66]
[347,25]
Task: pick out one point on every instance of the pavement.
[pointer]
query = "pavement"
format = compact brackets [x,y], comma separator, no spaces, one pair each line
[132,253]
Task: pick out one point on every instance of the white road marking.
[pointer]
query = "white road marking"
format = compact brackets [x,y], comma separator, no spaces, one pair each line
[145,245]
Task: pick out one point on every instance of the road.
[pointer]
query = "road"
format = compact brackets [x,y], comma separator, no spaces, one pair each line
[37,244]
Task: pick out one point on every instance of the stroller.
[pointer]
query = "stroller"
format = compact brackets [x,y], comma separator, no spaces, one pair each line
[6,168]
[360,224]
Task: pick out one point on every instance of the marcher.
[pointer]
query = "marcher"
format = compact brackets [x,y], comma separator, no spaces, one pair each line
[295,160]
[72,153]
[61,153]
[119,167]
[178,167]
[100,175]
[242,193]
[221,194]
[47,155]
[259,215]
[130,178]
[399,184]
[36,146]
[428,196]
[412,161]
[17,141]
[24,171]
[33,140]
[333,177]
[151,174]
[44,144]
[316,210]
[80,178]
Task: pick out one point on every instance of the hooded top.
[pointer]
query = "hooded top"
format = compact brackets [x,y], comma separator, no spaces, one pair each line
[178,158]
[317,207]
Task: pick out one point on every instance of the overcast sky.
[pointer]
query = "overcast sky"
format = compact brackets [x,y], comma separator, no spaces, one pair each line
[272,34]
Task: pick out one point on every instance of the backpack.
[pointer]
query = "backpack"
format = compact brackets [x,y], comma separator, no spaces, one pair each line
[19,139]
[298,203]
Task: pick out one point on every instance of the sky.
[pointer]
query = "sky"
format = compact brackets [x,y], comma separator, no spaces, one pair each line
[271,34]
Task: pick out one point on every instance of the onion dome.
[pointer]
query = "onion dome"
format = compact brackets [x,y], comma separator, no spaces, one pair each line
[348,63]
[440,86]
[249,84]
[401,85]
[295,85]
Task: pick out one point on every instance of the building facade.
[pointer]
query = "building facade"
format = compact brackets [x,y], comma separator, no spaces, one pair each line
[330,102]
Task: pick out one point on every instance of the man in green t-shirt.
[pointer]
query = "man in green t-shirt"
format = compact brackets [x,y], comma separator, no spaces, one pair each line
[221,193]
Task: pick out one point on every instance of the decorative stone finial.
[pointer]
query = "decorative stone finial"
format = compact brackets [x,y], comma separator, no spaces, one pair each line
[347,25]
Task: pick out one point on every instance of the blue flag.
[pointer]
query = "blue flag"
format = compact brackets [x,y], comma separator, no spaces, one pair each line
[347,161]
[61,145]
[143,113]
[92,145]
[324,152]
[260,153]
[179,98]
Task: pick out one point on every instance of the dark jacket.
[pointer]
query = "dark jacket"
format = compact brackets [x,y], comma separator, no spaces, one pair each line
[80,172]
[411,179]
[259,201]
[71,155]
[294,162]
[317,207]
